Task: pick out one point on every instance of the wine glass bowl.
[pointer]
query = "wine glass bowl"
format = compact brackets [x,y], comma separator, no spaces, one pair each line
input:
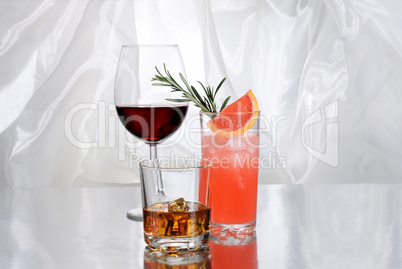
[142,106]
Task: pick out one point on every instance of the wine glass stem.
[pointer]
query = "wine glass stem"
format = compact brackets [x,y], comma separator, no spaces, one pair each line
[153,153]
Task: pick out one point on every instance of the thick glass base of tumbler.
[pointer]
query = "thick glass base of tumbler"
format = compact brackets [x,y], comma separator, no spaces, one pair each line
[135,214]
[233,233]
[176,245]
[183,259]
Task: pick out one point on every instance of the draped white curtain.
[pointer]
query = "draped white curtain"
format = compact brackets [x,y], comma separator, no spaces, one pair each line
[326,73]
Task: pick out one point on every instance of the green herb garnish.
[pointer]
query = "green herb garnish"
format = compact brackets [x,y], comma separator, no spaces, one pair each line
[206,103]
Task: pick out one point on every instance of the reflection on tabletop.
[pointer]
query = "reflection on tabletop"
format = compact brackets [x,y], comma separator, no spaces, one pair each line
[220,255]
[236,256]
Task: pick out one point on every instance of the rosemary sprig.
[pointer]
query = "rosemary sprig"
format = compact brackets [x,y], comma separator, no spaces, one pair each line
[206,103]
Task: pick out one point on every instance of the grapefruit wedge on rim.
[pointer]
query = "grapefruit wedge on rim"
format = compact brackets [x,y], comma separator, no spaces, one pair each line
[236,118]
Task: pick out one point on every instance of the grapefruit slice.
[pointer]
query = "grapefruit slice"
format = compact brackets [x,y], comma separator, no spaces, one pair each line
[236,118]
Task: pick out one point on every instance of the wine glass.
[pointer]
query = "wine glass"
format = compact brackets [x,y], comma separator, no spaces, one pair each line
[141,106]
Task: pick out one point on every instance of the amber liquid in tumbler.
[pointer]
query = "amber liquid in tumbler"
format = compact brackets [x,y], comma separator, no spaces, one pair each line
[160,222]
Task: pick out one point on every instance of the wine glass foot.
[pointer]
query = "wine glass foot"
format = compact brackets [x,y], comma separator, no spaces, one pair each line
[135,214]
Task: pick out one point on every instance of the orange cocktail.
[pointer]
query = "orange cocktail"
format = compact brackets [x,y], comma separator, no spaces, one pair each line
[234,177]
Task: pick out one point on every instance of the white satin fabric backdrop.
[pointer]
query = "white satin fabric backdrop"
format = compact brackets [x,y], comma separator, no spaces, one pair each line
[327,75]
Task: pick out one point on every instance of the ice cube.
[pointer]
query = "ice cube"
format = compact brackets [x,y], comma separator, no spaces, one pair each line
[178,205]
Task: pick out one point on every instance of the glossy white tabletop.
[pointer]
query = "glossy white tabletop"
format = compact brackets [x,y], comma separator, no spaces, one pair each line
[298,226]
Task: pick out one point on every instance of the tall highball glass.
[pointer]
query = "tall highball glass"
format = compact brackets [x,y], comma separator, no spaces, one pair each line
[234,155]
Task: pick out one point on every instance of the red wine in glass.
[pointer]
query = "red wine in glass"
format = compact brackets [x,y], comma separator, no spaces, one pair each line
[152,123]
